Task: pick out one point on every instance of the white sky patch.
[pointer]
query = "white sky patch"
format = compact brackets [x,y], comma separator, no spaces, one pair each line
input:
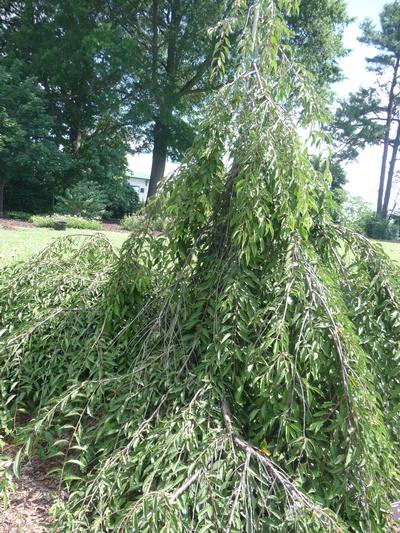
[141,164]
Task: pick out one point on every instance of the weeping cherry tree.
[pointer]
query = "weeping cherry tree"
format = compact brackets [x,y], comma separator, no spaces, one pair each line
[239,372]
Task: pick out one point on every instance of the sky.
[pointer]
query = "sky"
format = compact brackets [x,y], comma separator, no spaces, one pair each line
[362,174]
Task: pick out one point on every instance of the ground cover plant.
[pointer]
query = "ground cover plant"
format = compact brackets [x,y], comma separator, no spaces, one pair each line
[240,374]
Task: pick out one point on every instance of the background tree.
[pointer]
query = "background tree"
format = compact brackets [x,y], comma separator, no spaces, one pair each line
[135,74]
[372,115]
[355,125]
[28,151]
[387,40]
[319,25]
[80,61]
[174,47]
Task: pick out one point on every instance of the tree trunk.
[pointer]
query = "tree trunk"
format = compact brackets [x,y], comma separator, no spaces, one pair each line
[160,146]
[386,141]
[75,137]
[2,187]
[385,207]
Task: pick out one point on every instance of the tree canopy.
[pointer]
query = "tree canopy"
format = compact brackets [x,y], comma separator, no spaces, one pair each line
[121,76]
[28,152]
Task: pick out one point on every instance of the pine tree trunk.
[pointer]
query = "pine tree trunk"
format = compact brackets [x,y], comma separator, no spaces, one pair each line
[379,207]
[2,187]
[160,146]
[385,207]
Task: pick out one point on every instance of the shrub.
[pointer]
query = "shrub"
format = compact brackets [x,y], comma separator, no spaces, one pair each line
[134,222]
[122,199]
[138,223]
[42,221]
[72,222]
[18,215]
[84,199]
[354,212]
[81,223]
[378,228]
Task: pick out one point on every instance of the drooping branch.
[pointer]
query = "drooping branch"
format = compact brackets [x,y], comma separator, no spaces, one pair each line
[276,473]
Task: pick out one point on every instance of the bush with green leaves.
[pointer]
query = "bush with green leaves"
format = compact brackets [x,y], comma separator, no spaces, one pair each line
[85,199]
[18,215]
[141,222]
[122,199]
[379,228]
[241,374]
[134,222]
[47,221]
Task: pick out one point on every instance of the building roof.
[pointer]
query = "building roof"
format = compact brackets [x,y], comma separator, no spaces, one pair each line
[141,175]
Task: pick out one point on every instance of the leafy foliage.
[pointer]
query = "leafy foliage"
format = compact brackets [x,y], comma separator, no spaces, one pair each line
[355,212]
[237,375]
[85,199]
[74,222]
[6,475]
[28,152]
[122,199]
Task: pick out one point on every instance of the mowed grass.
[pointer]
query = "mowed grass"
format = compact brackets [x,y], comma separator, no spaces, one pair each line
[19,243]
[392,249]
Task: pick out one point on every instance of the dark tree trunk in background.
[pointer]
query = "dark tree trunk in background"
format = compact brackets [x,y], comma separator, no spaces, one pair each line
[161,125]
[2,187]
[75,137]
[385,206]
[160,147]
[379,206]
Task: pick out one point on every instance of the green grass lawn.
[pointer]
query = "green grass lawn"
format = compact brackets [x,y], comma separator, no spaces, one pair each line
[20,243]
[392,249]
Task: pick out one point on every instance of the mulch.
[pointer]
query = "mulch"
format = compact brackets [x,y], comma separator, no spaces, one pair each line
[30,502]
[8,223]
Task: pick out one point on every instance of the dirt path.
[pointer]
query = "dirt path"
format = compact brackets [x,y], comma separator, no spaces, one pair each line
[28,510]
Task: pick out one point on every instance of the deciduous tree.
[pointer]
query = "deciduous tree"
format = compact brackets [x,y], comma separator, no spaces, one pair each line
[235,374]
[28,151]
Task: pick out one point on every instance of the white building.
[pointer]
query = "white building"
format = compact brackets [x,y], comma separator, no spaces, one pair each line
[140,182]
